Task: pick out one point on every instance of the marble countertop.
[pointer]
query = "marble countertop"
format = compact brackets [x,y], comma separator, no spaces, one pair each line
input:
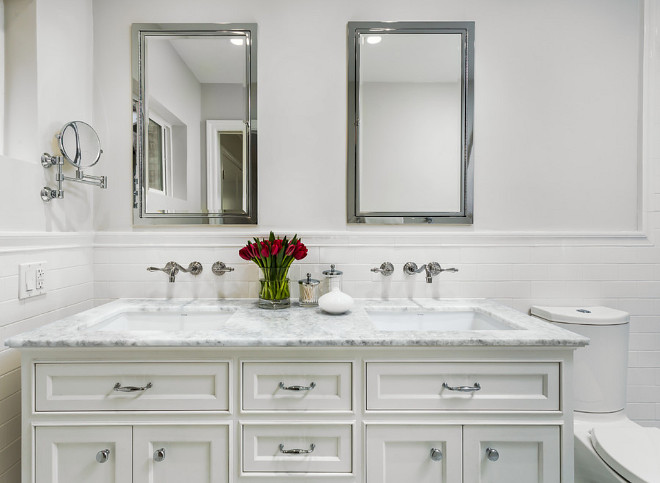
[249,326]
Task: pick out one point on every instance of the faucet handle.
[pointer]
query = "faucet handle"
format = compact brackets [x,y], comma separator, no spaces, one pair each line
[219,268]
[386,268]
[410,268]
[435,269]
[195,268]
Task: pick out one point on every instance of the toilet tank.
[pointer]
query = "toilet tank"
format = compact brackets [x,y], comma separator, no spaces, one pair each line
[600,369]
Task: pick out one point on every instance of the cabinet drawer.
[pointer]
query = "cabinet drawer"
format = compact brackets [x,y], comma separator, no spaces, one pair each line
[297,448]
[132,386]
[289,386]
[427,386]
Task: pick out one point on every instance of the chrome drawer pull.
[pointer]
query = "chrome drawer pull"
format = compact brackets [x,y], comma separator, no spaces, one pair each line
[297,451]
[118,387]
[492,454]
[103,456]
[297,388]
[159,455]
[476,387]
[436,454]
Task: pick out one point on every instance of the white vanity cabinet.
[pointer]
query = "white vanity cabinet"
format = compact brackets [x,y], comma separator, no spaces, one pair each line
[297,414]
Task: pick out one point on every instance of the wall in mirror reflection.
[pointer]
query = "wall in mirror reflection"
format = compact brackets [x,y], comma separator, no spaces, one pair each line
[410,123]
[195,153]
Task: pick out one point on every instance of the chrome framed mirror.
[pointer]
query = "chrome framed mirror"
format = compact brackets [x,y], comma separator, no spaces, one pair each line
[194,124]
[410,122]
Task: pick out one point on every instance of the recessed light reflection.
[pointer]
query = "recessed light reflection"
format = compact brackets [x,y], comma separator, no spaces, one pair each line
[374,39]
[236,41]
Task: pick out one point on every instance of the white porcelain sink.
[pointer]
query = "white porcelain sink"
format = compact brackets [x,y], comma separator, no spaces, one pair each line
[441,321]
[163,321]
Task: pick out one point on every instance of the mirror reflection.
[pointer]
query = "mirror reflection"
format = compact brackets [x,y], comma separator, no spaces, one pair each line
[196,135]
[410,118]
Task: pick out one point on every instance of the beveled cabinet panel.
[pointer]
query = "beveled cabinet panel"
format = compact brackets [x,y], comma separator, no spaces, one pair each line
[462,386]
[501,454]
[298,448]
[399,453]
[290,386]
[166,386]
[99,454]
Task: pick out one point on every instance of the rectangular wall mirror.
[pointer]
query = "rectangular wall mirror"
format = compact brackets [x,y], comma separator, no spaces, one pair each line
[410,117]
[195,124]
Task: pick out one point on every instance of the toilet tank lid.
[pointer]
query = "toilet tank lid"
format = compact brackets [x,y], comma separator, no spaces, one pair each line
[582,315]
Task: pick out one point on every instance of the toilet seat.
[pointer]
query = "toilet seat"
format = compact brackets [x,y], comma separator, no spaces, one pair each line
[630,450]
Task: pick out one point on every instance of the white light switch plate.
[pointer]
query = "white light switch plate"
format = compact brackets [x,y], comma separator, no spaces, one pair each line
[31,279]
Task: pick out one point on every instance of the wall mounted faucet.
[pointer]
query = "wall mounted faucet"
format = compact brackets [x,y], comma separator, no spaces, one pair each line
[172,268]
[432,269]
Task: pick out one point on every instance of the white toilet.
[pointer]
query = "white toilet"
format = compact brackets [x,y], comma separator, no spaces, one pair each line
[609,447]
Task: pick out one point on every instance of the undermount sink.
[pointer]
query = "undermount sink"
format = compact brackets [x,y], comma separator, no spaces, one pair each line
[428,320]
[163,321]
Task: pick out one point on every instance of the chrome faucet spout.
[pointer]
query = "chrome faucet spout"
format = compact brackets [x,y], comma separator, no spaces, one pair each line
[170,268]
[429,274]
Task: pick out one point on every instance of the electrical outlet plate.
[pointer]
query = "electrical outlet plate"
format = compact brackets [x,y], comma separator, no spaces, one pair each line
[31,279]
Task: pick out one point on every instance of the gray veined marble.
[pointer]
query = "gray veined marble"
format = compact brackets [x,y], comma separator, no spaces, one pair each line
[239,323]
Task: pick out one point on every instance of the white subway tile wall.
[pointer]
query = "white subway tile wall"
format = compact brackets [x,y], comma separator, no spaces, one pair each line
[70,289]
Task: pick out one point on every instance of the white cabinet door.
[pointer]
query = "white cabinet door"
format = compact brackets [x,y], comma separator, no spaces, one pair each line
[413,453]
[176,454]
[502,454]
[76,454]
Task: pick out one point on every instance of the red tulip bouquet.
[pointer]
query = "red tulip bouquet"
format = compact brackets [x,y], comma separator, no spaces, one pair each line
[274,256]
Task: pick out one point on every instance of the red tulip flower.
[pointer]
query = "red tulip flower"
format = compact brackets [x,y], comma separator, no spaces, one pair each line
[300,251]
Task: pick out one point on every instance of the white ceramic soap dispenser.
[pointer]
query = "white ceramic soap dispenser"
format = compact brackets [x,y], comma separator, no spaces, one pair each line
[335,301]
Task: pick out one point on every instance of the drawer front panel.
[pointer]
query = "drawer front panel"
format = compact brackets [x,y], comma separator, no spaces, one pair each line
[297,448]
[512,386]
[138,386]
[290,386]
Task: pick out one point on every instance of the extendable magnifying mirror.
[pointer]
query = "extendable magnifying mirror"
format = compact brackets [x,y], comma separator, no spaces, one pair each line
[80,145]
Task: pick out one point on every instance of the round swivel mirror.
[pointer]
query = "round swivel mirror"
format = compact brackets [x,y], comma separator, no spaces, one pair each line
[79,144]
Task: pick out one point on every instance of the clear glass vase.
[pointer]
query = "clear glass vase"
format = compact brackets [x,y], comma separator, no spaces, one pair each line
[274,291]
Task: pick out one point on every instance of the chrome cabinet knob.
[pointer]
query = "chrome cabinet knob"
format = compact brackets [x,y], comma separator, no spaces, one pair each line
[159,455]
[436,454]
[492,454]
[103,455]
